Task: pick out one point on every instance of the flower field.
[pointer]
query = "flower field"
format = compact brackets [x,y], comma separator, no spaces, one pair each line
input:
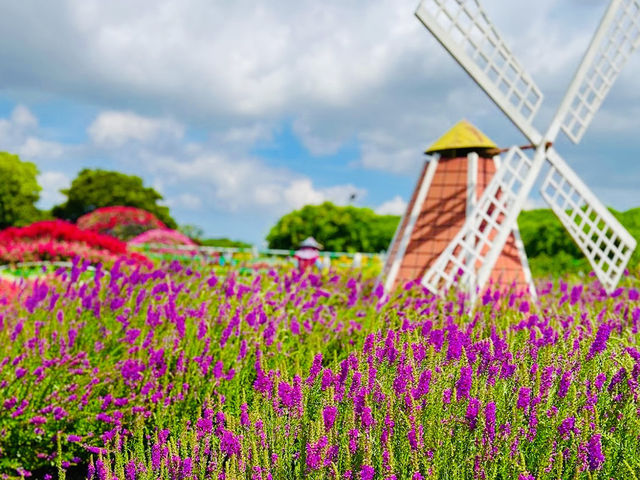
[132,372]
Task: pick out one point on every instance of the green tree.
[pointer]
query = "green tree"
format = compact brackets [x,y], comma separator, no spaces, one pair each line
[19,191]
[97,188]
[339,229]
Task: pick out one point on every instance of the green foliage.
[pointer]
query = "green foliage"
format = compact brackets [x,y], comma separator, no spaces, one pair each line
[97,188]
[222,242]
[339,229]
[191,231]
[19,191]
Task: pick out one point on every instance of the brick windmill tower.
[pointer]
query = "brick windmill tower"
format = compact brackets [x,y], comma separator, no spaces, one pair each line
[460,166]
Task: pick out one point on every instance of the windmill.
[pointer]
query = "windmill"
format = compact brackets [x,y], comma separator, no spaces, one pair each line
[459,167]
[464,29]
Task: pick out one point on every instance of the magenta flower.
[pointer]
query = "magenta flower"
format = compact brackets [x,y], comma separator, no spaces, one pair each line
[471,415]
[329,415]
[490,420]
[367,472]
[463,385]
[524,397]
[566,426]
[600,342]
[594,453]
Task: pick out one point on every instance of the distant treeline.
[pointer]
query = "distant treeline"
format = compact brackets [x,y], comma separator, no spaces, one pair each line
[550,249]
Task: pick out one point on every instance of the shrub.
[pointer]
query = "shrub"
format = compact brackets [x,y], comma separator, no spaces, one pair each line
[162,236]
[120,222]
[56,240]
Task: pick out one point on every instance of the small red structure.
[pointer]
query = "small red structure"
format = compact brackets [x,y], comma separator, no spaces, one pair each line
[308,253]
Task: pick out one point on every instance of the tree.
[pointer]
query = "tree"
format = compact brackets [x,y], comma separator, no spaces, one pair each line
[97,188]
[339,229]
[19,191]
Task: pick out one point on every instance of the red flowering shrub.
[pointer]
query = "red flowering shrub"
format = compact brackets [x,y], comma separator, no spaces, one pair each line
[121,222]
[58,240]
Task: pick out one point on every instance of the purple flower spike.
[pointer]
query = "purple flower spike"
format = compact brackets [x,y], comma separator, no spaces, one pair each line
[524,397]
[594,453]
[367,472]
[329,415]
[463,385]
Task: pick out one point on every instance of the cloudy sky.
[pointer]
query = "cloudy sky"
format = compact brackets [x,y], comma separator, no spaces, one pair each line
[238,112]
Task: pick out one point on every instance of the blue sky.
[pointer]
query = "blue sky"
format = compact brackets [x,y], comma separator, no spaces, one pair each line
[238,112]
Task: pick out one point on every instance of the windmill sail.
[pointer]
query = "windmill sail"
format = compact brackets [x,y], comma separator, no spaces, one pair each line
[604,241]
[473,252]
[615,40]
[464,29]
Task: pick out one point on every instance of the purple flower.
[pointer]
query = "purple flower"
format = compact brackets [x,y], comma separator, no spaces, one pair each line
[617,378]
[130,470]
[367,472]
[244,415]
[446,396]
[74,438]
[463,385]
[329,415]
[423,385]
[316,367]
[523,398]
[367,418]
[600,342]
[567,426]
[594,453]
[229,443]
[471,415]
[565,383]
[490,420]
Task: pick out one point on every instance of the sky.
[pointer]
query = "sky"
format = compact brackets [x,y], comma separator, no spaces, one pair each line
[239,112]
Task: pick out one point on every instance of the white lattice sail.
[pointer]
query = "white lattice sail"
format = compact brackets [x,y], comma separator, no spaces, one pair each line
[604,241]
[616,39]
[464,29]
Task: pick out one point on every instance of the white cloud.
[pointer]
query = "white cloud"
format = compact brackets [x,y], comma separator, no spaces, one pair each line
[185,200]
[114,128]
[23,119]
[34,147]
[21,134]
[395,206]
[246,183]
[51,183]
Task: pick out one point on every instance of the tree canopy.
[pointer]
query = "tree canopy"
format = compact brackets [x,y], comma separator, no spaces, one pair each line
[95,188]
[339,229]
[19,191]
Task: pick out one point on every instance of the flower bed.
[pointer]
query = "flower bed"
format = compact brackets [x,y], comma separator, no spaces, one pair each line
[58,240]
[178,373]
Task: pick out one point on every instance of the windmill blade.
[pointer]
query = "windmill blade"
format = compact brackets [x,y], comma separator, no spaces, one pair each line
[487,228]
[464,29]
[615,40]
[604,241]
